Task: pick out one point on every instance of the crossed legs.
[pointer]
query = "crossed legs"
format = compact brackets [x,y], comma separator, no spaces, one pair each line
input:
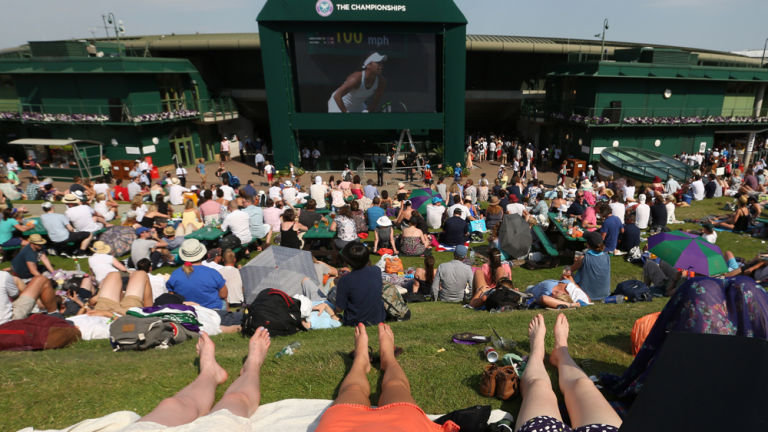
[585,404]
[355,389]
[195,400]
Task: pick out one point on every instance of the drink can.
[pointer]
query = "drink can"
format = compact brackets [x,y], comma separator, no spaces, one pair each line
[491,354]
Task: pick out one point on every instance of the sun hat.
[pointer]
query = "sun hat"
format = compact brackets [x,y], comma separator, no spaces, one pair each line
[101,248]
[192,250]
[175,181]
[401,185]
[169,231]
[460,251]
[141,230]
[494,200]
[70,199]
[608,192]
[193,187]
[37,239]
[79,195]
[383,221]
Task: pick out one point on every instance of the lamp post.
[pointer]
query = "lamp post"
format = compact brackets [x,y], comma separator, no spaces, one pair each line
[762,59]
[602,42]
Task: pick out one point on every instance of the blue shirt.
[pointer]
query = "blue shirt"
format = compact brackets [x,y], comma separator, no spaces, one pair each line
[543,288]
[202,286]
[611,227]
[370,192]
[358,294]
[374,213]
[56,225]
[201,168]
[7,227]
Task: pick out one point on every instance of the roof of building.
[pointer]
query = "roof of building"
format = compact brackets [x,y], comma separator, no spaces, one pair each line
[94,65]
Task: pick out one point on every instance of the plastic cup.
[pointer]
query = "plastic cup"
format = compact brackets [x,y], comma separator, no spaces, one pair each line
[317,224]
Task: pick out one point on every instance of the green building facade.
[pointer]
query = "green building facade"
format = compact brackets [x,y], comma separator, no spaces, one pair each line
[136,107]
[655,99]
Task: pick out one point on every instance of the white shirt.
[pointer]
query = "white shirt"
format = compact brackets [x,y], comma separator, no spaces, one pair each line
[275,193]
[133,189]
[642,215]
[712,238]
[8,291]
[144,166]
[464,210]
[289,195]
[229,193]
[317,192]
[239,222]
[629,192]
[697,188]
[269,169]
[101,208]
[101,188]
[435,216]
[157,282]
[212,265]
[101,265]
[176,194]
[618,210]
[234,284]
[672,186]
[515,208]
[181,172]
[82,218]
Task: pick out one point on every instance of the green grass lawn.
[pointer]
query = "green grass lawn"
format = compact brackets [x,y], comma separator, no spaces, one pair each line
[59,388]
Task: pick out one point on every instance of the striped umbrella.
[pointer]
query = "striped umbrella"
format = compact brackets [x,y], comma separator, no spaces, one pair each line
[420,198]
[688,252]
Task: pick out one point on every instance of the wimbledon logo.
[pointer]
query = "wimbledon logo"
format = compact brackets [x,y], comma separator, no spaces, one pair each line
[324,8]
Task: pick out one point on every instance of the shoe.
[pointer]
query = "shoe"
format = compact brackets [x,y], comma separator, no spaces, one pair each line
[488,383]
[507,382]
[619,253]
[65,255]
[80,255]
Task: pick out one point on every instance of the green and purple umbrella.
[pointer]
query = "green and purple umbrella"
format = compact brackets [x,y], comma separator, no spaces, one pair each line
[688,252]
[420,198]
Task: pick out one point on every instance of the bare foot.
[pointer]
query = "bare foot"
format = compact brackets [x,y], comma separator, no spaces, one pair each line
[536,332]
[257,350]
[206,349]
[386,345]
[562,328]
[361,347]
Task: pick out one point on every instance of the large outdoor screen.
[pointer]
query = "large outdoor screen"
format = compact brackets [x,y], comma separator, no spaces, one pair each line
[365,72]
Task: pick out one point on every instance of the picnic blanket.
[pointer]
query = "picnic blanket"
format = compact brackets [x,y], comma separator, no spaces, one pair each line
[289,415]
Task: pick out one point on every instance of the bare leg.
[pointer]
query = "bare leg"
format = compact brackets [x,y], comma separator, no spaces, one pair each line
[194,400]
[355,388]
[243,396]
[479,286]
[40,288]
[586,405]
[538,397]
[139,286]
[394,385]
[84,244]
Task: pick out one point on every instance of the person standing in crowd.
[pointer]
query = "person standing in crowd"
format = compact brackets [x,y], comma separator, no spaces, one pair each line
[315,158]
[200,168]
[269,170]
[259,161]
[224,149]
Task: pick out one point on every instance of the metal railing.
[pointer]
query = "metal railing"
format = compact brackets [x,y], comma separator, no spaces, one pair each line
[163,111]
[660,116]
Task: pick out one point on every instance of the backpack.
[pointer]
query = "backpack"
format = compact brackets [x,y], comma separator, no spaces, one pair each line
[230,241]
[131,333]
[505,297]
[274,310]
[233,180]
[394,305]
[633,290]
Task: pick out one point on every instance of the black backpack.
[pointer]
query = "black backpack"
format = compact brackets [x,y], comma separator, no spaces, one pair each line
[634,291]
[274,310]
[505,297]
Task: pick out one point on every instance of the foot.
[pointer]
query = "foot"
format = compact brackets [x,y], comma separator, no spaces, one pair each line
[257,350]
[562,328]
[361,348]
[536,332]
[206,349]
[386,345]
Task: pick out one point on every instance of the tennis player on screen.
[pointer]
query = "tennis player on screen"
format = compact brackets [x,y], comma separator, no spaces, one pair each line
[362,90]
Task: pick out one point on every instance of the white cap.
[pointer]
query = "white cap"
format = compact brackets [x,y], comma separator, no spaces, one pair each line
[46,205]
[193,187]
[374,58]
[288,183]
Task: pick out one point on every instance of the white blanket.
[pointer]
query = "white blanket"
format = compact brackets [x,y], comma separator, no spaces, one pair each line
[289,415]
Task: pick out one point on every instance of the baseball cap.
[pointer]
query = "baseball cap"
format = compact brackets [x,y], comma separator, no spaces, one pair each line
[374,58]
[461,251]
[141,230]
[46,205]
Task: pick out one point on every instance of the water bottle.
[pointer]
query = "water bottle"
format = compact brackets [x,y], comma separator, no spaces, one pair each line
[618,298]
[288,350]
[559,215]
[77,265]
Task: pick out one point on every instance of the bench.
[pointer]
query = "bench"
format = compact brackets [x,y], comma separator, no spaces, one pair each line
[542,236]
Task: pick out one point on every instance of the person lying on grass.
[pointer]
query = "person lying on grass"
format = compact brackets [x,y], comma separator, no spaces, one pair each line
[558,294]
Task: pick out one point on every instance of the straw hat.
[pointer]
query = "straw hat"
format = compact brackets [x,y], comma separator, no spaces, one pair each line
[101,248]
[175,181]
[37,239]
[608,192]
[192,250]
[70,199]
[494,200]
[169,231]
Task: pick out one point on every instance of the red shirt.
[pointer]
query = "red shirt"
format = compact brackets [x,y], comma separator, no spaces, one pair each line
[121,193]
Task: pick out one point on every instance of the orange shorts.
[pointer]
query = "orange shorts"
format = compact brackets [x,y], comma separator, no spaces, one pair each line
[395,417]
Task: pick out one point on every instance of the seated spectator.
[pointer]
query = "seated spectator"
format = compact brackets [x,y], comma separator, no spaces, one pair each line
[559,294]
[196,282]
[290,229]
[642,212]
[9,190]
[191,220]
[210,210]
[102,262]
[111,300]
[147,245]
[359,217]
[586,406]
[238,222]
[592,271]
[629,237]
[31,259]
[423,277]
[358,293]
[17,299]
[488,276]
[171,239]
[697,188]
[308,215]
[104,207]
[514,206]
[319,192]
[383,235]
[374,213]
[457,205]
[234,282]
[453,278]
[658,214]
[455,230]
[711,187]
[214,258]
[660,277]
[12,222]
[259,228]
[618,208]
[412,241]
[610,230]
[708,232]
[351,410]
[81,216]
[120,192]
[344,226]
[578,205]
[272,215]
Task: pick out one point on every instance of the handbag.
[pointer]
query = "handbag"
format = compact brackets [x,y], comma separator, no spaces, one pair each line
[478,225]
[393,265]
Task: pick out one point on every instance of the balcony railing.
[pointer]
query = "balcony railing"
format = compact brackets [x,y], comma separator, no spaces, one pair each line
[218,109]
[630,116]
